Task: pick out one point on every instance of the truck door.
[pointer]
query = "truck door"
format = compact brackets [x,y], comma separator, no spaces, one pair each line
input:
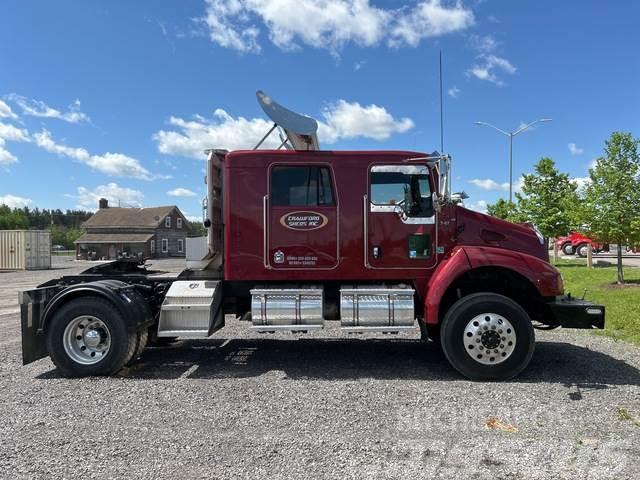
[401,221]
[302,218]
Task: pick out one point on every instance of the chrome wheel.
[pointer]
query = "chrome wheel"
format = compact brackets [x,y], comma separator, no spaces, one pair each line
[86,340]
[489,338]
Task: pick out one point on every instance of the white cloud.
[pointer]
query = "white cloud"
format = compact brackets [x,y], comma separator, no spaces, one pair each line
[14,201]
[489,184]
[328,24]
[13,134]
[479,206]
[483,44]
[113,164]
[192,137]
[429,19]
[37,108]
[125,197]
[574,149]
[453,92]
[487,67]
[351,120]
[181,192]
[342,119]
[6,157]
[6,112]
[9,133]
[581,182]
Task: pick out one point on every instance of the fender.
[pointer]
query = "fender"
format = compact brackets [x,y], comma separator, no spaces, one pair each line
[129,302]
[542,275]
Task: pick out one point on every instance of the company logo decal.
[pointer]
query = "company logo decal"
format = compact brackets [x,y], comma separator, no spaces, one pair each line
[303,220]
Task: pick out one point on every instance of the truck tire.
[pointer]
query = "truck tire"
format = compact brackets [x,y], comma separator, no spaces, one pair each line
[141,342]
[88,336]
[567,249]
[155,341]
[581,250]
[487,337]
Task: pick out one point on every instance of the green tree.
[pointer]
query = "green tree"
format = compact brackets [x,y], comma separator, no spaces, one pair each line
[198,229]
[503,209]
[12,219]
[611,204]
[548,199]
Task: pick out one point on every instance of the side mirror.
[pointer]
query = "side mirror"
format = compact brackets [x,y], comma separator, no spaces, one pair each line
[400,211]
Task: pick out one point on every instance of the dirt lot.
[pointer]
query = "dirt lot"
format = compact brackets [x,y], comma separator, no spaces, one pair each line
[243,405]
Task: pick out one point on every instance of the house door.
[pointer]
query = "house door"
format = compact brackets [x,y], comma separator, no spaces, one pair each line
[302,218]
[401,223]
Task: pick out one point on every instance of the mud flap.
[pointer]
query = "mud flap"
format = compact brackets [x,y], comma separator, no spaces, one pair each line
[32,304]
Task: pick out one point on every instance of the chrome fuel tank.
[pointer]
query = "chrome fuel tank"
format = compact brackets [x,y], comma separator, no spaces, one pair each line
[376,306]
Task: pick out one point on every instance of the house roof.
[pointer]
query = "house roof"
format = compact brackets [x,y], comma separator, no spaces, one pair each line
[129,217]
[114,238]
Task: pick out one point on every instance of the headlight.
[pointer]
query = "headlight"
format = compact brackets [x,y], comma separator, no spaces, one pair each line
[538,234]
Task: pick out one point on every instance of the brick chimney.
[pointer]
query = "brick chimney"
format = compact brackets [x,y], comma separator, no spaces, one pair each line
[103,203]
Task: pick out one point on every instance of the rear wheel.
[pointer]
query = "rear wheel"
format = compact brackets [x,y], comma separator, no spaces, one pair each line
[486,336]
[567,249]
[88,336]
[141,342]
[582,250]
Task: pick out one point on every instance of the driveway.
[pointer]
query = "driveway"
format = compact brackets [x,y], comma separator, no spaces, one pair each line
[322,405]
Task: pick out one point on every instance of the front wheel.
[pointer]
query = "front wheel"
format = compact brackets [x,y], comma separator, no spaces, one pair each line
[88,336]
[487,337]
[567,249]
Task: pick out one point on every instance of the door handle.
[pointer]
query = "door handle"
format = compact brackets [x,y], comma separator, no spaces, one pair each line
[377,253]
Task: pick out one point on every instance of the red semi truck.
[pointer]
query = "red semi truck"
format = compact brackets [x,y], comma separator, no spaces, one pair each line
[300,237]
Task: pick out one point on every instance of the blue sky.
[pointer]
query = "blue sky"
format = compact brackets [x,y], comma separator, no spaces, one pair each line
[118,98]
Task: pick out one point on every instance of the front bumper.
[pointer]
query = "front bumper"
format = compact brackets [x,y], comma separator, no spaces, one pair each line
[570,312]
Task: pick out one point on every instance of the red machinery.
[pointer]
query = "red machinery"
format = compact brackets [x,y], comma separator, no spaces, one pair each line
[577,243]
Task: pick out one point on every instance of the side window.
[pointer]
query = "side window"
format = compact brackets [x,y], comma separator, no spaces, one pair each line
[180,245]
[153,246]
[301,186]
[165,245]
[404,186]
[167,222]
[179,222]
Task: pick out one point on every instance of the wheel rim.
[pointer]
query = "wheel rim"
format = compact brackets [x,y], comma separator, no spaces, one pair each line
[489,338]
[86,340]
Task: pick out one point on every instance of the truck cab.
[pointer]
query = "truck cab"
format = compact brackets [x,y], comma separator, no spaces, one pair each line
[301,237]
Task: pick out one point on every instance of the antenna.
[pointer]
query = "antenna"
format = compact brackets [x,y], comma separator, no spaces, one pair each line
[441,109]
[299,130]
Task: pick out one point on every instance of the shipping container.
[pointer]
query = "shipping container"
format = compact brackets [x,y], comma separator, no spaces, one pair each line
[25,249]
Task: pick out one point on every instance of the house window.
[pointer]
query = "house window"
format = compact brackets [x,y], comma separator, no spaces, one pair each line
[152,246]
[179,222]
[301,186]
[167,222]
[180,245]
[165,245]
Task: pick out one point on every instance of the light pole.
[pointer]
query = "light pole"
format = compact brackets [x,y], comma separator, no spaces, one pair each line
[511,135]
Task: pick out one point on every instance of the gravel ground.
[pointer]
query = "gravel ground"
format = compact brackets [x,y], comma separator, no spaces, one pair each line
[322,405]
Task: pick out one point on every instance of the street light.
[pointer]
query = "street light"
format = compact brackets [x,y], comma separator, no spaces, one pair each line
[511,135]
